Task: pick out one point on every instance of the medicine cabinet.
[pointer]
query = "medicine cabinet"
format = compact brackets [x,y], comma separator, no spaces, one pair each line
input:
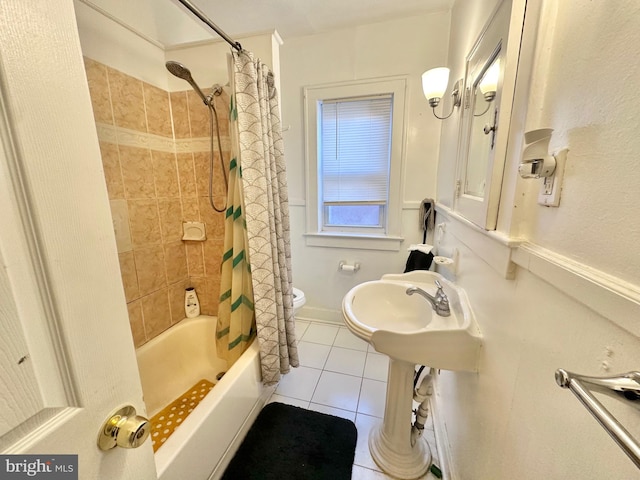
[490,76]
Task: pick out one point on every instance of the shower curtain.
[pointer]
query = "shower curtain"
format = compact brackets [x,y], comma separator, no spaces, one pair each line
[255,121]
[236,325]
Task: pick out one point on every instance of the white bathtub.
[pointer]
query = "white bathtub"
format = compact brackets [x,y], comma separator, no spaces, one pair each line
[203,445]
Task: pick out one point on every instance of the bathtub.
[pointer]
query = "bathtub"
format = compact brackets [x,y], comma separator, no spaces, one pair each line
[203,445]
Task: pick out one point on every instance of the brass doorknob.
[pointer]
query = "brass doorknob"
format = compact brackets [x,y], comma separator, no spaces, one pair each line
[123,429]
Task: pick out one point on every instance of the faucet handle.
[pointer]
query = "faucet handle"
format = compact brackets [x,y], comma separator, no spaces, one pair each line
[440,295]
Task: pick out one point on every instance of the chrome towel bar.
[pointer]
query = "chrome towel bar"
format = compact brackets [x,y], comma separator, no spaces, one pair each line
[626,385]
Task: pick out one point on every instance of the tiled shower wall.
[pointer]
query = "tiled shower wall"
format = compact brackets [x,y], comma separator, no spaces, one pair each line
[155,152]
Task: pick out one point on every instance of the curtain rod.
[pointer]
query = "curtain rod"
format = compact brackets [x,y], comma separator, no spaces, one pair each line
[198,13]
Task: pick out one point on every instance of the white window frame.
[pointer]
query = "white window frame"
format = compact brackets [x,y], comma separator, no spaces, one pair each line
[313,96]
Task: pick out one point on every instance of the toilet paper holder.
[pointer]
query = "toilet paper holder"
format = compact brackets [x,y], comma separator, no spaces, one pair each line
[345,267]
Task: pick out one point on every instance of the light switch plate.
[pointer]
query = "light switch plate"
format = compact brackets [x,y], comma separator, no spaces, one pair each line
[551,187]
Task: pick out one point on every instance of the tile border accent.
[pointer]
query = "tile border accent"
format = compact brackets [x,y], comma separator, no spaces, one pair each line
[132,138]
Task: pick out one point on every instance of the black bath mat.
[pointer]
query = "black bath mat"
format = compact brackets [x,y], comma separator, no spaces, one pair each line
[291,443]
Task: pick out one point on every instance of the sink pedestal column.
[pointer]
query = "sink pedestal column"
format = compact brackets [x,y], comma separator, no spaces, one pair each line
[390,443]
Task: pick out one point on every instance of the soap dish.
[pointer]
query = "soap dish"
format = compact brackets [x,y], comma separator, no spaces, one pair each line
[194,231]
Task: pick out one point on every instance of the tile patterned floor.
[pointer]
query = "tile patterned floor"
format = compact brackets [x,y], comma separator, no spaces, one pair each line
[341,375]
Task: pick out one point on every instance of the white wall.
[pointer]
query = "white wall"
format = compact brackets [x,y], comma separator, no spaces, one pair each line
[510,420]
[400,47]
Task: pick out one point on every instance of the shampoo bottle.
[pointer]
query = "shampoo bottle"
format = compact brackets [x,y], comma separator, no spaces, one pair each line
[191,304]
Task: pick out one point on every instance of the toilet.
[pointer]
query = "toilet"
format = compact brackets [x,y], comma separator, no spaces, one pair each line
[298,300]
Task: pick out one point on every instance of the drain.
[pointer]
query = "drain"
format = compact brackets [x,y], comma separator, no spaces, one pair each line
[220,375]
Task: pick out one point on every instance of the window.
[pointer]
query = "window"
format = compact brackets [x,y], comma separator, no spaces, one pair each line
[354,158]
[354,142]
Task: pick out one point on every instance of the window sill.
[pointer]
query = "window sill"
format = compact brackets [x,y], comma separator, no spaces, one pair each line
[352,240]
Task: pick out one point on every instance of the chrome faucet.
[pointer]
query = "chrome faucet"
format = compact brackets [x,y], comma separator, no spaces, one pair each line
[439,303]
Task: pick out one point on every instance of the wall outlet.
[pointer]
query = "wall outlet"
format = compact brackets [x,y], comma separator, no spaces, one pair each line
[549,195]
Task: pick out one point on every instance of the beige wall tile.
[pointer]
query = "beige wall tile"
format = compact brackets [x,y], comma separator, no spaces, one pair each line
[156,102]
[144,222]
[170,219]
[137,172]
[195,259]
[137,322]
[213,250]
[120,219]
[201,163]
[175,260]
[155,309]
[190,210]
[187,175]
[222,110]
[198,115]
[219,181]
[213,220]
[111,167]
[205,295]
[150,269]
[213,289]
[165,173]
[129,276]
[99,91]
[180,114]
[127,101]
[176,300]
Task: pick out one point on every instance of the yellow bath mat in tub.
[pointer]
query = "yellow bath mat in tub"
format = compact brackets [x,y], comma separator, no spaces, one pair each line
[164,423]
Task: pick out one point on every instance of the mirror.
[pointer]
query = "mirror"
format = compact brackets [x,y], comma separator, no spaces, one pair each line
[488,94]
[483,127]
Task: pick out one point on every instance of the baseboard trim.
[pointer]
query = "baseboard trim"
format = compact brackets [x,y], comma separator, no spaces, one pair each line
[442,439]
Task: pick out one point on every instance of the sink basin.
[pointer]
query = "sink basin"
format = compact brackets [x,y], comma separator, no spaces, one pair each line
[406,328]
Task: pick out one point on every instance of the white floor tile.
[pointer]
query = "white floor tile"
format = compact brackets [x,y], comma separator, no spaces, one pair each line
[341,375]
[361,473]
[336,412]
[338,390]
[301,327]
[364,424]
[363,460]
[372,397]
[376,367]
[343,360]
[299,383]
[289,401]
[313,355]
[318,333]
[346,339]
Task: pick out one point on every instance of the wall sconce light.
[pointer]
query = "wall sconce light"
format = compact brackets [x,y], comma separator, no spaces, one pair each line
[434,84]
[489,83]
[489,86]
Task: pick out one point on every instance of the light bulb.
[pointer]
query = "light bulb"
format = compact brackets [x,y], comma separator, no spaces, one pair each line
[434,84]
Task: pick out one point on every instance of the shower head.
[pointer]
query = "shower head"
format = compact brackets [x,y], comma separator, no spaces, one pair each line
[183,72]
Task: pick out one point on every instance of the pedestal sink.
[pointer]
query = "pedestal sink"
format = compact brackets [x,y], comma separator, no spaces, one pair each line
[408,330]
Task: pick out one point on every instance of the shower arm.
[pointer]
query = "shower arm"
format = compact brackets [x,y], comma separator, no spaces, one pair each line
[200,14]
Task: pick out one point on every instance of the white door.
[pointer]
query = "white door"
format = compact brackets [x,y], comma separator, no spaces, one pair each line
[66,354]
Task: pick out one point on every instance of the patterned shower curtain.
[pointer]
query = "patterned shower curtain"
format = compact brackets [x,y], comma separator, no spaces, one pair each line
[236,322]
[266,206]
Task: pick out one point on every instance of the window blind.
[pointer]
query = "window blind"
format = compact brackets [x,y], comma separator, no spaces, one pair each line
[355,149]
